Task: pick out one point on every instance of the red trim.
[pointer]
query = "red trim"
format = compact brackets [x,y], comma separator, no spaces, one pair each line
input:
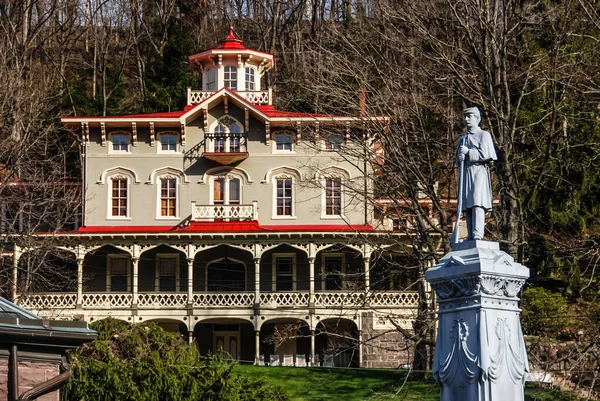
[224,227]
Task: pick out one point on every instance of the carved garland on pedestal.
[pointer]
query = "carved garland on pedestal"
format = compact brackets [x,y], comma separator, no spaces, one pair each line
[477,285]
[460,364]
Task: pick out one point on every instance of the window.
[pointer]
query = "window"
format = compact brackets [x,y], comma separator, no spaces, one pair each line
[284,143]
[226,137]
[168,197]
[119,197]
[211,80]
[234,140]
[168,273]
[333,142]
[118,273]
[333,271]
[333,196]
[250,82]
[120,143]
[230,77]
[283,197]
[227,192]
[284,272]
[168,143]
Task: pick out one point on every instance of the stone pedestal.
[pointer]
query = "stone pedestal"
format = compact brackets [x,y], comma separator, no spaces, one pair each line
[480,352]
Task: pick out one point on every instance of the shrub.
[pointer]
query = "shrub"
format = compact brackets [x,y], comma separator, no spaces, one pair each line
[545,313]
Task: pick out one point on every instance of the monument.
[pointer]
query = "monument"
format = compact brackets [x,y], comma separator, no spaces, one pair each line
[480,352]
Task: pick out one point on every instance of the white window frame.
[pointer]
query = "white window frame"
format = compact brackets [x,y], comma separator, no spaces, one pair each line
[326,254]
[284,176]
[109,258]
[111,150]
[250,72]
[292,142]
[237,78]
[274,271]
[160,256]
[213,127]
[324,214]
[212,80]
[159,138]
[331,146]
[159,179]
[110,179]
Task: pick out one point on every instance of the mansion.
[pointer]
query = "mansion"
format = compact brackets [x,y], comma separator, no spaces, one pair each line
[246,228]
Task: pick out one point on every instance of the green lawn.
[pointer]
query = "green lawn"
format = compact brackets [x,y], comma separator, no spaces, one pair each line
[322,384]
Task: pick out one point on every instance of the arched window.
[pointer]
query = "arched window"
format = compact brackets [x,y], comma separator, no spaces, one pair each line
[119,195]
[226,136]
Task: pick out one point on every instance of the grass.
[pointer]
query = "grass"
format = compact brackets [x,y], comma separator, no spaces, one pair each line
[323,384]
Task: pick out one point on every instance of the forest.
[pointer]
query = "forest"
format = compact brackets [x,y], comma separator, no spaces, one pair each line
[531,66]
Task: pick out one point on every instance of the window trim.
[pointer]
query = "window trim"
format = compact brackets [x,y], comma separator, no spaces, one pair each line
[157,271]
[288,134]
[274,179]
[159,178]
[324,214]
[325,254]
[109,258]
[111,178]
[237,78]
[111,150]
[159,149]
[274,271]
[253,74]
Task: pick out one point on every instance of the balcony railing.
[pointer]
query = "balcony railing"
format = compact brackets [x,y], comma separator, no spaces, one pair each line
[255,97]
[225,212]
[225,148]
[216,300]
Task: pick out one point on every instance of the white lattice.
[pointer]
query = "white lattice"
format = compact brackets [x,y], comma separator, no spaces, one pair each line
[107,300]
[240,212]
[284,299]
[163,299]
[347,299]
[256,97]
[49,300]
[224,299]
[403,298]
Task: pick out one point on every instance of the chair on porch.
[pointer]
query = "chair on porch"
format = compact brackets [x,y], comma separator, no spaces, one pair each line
[288,360]
[274,360]
[301,360]
[261,360]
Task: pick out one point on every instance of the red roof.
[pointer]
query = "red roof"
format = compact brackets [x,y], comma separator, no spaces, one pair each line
[224,227]
[271,112]
[231,42]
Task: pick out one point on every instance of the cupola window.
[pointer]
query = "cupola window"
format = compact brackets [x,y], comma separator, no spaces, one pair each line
[230,77]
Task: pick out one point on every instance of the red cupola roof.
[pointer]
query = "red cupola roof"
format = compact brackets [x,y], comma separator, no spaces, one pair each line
[231,42]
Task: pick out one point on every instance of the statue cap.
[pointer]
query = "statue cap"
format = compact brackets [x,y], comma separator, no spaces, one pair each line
[472,110]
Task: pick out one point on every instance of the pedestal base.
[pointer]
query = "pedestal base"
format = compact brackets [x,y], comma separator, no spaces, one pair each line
[480,352]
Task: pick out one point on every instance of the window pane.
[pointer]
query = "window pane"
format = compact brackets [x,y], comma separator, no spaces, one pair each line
[284,197]
[168,142]
[283,142]
[218,190]
[250,79]
[168,197]
[333,272]
[230,77]
[118,273]
[234,191]
[333,196]
[120,143]
[284,268]
[119,197]
[333,142]
[167,270]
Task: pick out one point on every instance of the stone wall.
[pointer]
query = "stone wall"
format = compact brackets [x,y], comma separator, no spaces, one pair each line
[31,374]
[383,345]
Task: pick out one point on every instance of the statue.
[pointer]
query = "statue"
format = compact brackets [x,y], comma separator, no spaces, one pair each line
[474,152]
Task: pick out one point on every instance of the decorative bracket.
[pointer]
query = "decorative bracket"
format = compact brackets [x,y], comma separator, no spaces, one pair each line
[103,133]
[134,134]
[152,137]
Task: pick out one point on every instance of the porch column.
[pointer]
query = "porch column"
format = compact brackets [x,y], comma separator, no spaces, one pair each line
[190,337]
[256,282]
[257,347]
[190,293]
[134,286]
[367,262]
[15,272]
[311,289]
[313,362]
[360,349]
[79,282]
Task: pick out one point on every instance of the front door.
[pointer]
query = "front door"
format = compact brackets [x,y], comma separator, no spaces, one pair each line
[226,192]
[228,341]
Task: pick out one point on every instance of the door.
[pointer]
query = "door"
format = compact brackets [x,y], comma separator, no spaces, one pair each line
[227,195]
[228,341]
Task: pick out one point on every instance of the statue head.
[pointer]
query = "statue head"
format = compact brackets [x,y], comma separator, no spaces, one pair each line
[472,117]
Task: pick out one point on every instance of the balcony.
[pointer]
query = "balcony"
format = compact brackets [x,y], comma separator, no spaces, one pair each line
[225,148]
[255,97]
[220,300]
[225,212]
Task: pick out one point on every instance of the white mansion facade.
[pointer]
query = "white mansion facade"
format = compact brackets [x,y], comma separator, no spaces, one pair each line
[234,223]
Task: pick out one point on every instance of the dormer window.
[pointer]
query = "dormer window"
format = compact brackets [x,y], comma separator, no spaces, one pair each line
[120,142]
[230,77]
[250,79]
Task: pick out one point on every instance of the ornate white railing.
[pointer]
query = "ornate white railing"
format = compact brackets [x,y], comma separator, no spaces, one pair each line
[104,300]
[393,299]
[277,299]
[162,300]
[256,97]
[340,298]
[224,212]
[58,300]
[223,299]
